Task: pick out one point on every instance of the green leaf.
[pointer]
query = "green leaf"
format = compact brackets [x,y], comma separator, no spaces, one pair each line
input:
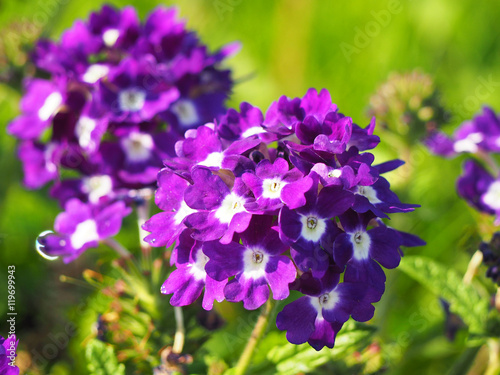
[101,359]
[445,282]
[292,359]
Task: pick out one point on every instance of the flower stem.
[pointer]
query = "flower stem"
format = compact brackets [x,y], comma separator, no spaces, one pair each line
[255,337]
[490,162]
[118,247]
[142,217]
[180,332]
[494,355]
[472,268]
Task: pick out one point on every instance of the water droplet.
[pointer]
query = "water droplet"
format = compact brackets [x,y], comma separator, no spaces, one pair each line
[40,247]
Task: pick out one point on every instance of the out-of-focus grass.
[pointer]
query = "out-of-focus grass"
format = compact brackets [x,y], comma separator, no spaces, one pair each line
[289,46]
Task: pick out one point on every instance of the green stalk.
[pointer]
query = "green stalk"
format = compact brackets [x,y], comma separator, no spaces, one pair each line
[255,337]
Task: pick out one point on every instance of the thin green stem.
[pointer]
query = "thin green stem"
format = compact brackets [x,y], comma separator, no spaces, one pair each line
[118,247]
[494,357]
[255,337]
[472,269]
[180,331]
[490,162]
[142,217]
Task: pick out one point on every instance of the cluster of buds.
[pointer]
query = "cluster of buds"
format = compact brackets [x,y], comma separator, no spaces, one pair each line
[408,104]
[287,200]
[120,93]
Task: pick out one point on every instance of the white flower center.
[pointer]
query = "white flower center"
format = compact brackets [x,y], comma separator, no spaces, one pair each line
[50,106]
[197,269]
[254,263]
[97,187]
[361,243]
[186,112]
[469,143]
[184,210]
[492,196]
[50,166]
[94,73]
[369,193]
[312,227]
[271,187]
[335,173]
[85,232]
[252,131]
[132,100]
[83,131]
[231,205]
[213,160]
[326,301]
[110,37]
[138,146]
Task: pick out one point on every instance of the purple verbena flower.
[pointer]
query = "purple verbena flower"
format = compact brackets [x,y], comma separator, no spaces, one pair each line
[318,316]
[8,355]
[221,210]
[81,226]
[256,263]
[190,278]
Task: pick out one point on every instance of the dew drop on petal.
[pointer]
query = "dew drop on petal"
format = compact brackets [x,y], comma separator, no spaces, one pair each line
[40,247]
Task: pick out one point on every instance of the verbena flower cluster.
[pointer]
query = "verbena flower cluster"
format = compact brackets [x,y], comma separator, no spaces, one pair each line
[479,184]
[285,201]
[8,355]
[119,94]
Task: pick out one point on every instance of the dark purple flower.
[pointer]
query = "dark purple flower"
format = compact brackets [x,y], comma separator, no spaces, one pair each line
[189,279]
[256,263]
[8,355]
[380,199]
[479,188]
[134,91]
[114,28]
[363,138]
[318,316]
[310,227]
[233,125]
[481,134]
[359,248]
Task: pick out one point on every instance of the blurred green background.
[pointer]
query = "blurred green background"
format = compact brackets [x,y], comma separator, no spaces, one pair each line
[289,46]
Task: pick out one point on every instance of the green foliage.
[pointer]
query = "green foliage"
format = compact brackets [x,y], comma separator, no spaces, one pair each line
[447,283]
[102,360]
[293,359]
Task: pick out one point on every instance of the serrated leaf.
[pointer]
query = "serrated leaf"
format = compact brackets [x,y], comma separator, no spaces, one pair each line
[445,282]
[292,359]
[101,359]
